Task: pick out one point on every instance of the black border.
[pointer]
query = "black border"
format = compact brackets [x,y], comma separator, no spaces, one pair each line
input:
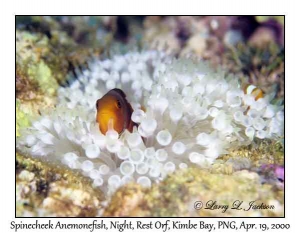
[155,217]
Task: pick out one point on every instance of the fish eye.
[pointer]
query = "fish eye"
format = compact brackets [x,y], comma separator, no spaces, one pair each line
[119,104]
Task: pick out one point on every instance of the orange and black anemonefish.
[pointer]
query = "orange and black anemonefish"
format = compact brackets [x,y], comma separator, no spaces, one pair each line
[113,110]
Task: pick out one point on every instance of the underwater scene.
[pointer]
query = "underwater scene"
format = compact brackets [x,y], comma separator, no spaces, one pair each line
[150,116]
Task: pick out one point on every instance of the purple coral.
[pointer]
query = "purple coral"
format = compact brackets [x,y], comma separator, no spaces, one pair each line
[272,173]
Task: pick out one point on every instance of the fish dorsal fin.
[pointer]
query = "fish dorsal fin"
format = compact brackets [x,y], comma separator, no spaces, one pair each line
[119,91]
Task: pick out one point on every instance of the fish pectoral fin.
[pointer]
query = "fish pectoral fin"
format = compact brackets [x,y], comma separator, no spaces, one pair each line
[110,124]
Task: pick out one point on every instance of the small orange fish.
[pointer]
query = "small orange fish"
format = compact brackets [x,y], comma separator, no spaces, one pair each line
[250,89]
[256,92]
[114,108]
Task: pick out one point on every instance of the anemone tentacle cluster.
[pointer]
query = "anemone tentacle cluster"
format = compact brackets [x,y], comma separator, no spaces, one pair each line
[192,115]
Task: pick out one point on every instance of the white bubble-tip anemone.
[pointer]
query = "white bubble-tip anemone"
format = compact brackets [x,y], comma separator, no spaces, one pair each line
[186,114]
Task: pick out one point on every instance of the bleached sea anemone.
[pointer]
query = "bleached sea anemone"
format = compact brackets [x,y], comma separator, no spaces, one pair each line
[192,115]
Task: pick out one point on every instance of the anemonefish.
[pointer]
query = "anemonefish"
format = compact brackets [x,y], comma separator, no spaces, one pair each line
[113,108]
[250,89]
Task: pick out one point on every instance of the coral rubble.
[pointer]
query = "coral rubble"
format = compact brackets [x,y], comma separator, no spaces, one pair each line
[176,196]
